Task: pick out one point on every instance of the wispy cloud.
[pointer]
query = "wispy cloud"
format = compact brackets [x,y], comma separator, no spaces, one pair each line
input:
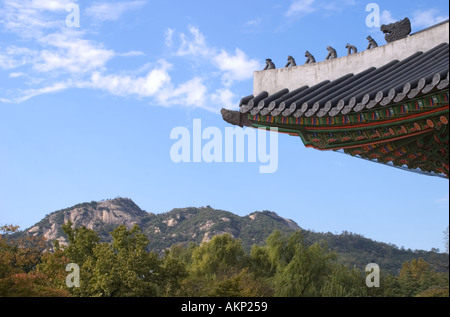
[229,66]
[253,26]
[57,58]
[169,37]
[419,19]
[14,56]
[193,44]
[69,52]
[253,23]
[387,18]
[30,93]
[194,92]
[16,75]
[234,66]
[122,85]
[112,11]
[31,18]
[443,200]
[224,97]
[301,7]
[424,19]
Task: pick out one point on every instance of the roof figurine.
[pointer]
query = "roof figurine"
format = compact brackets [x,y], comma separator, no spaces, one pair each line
[269,64]
[397,30]
[291,61]
[310,58]
[351,49]
[331,53]
[372,43]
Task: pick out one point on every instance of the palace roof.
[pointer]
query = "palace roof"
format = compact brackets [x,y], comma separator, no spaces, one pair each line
[388,104]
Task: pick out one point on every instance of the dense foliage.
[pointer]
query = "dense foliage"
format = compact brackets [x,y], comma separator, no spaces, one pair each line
[285,266]
[198,225]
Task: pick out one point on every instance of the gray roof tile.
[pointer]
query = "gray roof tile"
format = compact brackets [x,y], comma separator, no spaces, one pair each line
[396,81]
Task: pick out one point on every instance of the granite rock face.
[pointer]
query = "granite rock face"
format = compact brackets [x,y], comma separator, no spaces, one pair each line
[181,225]
[94,215]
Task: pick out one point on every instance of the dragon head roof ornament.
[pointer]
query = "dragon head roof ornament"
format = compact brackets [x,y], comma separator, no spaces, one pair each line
[397,30]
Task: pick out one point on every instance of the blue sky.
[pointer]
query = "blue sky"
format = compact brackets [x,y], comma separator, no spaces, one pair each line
[86,112]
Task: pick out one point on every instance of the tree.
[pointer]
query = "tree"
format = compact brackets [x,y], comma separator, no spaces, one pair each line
[219,257]
[19,260]
[82,242]
[301,270]
[344,282]
[138,270]
[417,278]
[121,268]
[173,271]
[214,267]
[53,266]
[261,264]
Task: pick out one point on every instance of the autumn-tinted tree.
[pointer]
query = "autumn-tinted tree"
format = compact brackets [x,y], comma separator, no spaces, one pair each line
[284,266]
[416,278]
[19,259]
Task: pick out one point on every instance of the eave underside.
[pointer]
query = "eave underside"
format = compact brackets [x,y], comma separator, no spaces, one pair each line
[413,135]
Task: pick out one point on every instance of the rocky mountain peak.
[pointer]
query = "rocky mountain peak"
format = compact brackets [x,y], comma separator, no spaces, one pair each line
[99,216]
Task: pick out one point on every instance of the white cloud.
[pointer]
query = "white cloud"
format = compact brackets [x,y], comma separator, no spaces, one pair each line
[196,46]
[236,67]
[253,26]
[16,75]
[233,67]
[224,98]
[386,17]
[71,54]
[301,7]
[191,93]
[337,6]
[157,84]
[7,62]
[145,86]
[30,93]
[50,5]
[58,58]
[14,56]
[30,18]
[131,54]
[169,37]
[253,23]
[424,19]
[111,11]
[54,46]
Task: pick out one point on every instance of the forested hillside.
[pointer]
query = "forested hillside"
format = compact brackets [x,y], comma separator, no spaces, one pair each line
[200,225]
[284,266]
